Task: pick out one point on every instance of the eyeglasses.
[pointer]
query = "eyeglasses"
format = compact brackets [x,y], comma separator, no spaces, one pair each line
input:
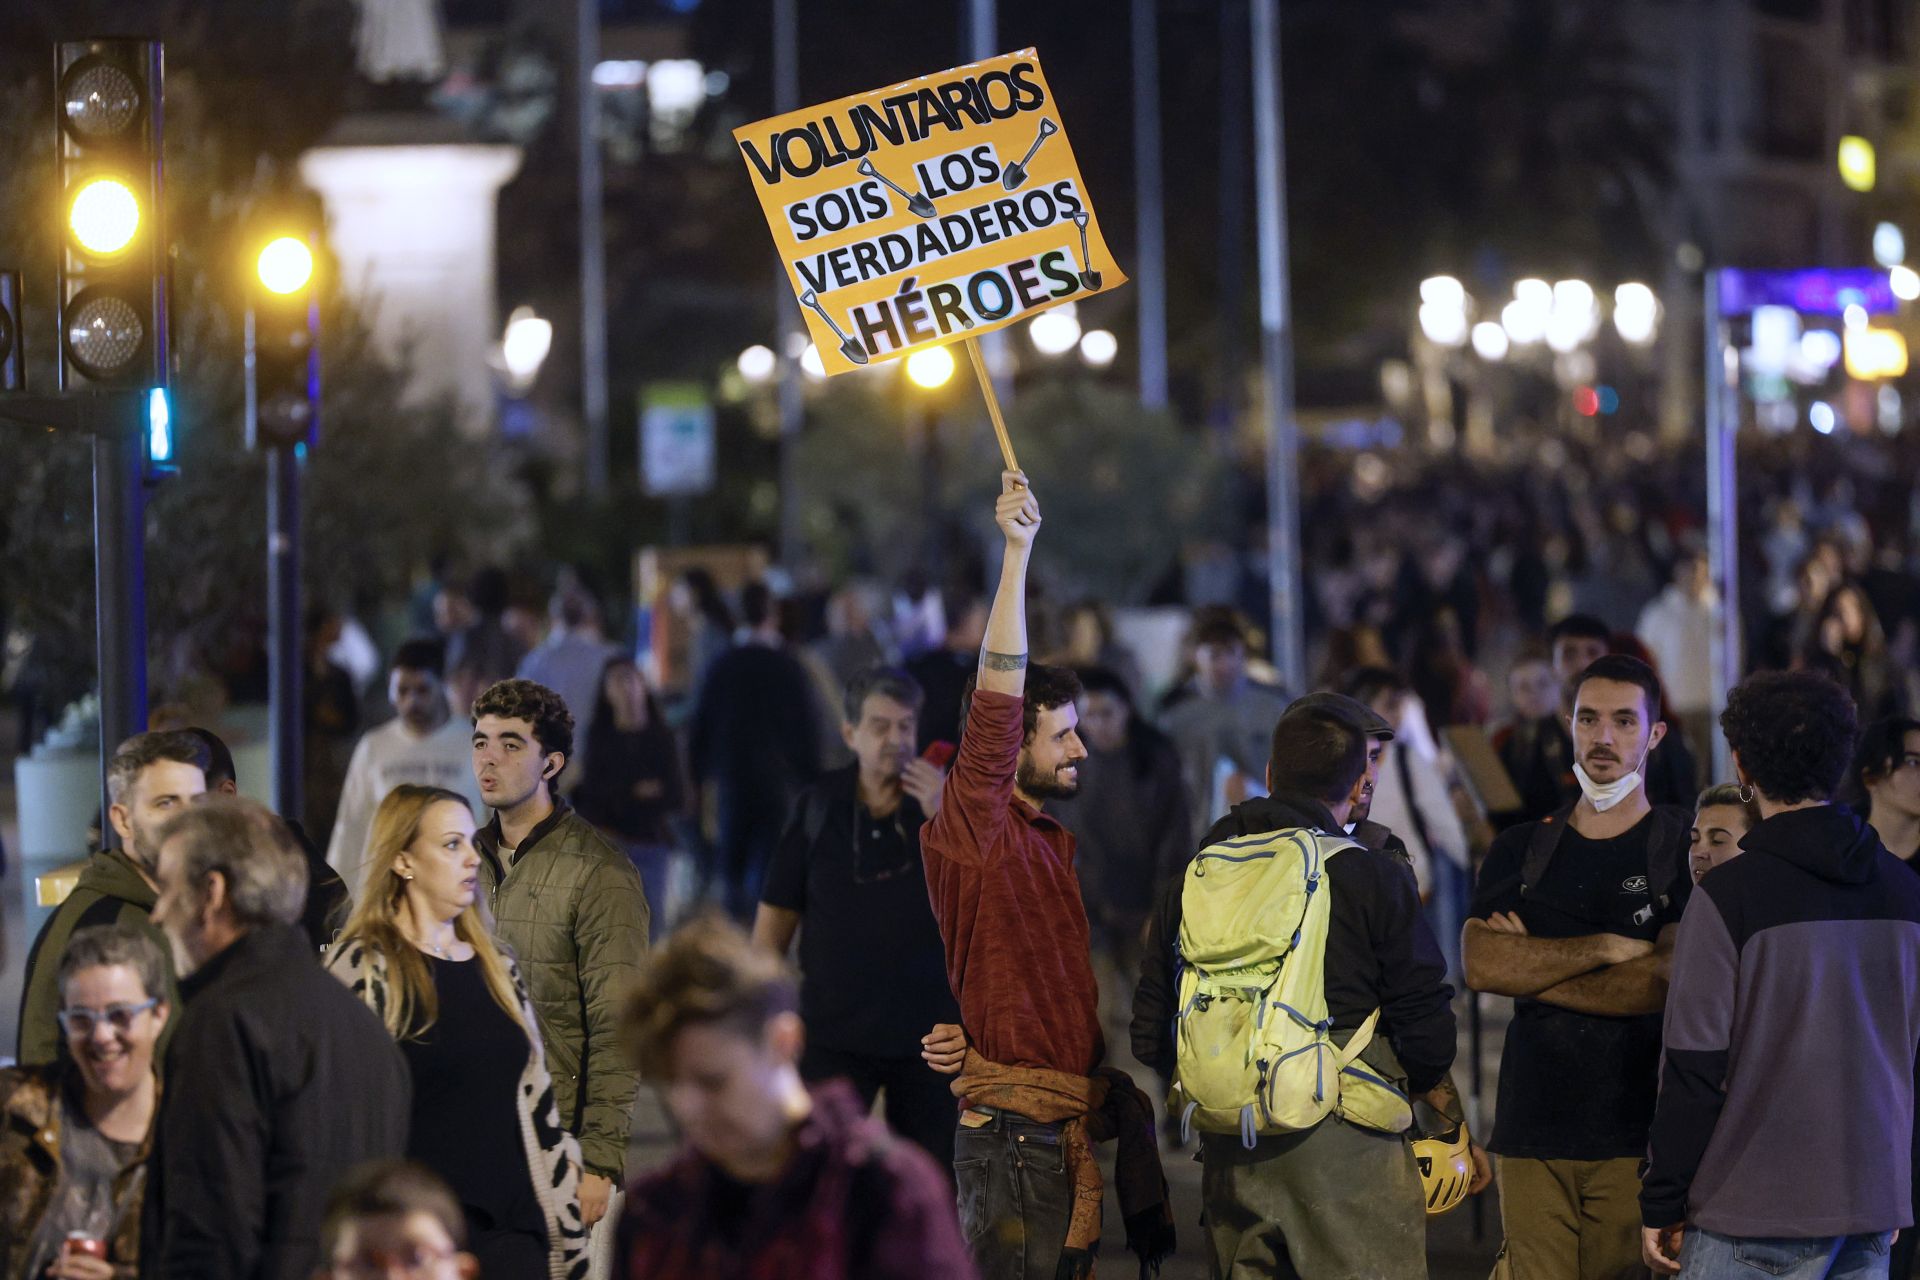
[81,1021]
[417,1261]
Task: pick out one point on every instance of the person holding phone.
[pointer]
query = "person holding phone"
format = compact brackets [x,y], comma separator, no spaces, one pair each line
[873,972]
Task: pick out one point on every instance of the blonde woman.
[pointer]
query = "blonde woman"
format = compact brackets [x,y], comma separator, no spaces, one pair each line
[418,950]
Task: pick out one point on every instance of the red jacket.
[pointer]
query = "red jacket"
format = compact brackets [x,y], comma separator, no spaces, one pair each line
[856,1203]
[1001,878]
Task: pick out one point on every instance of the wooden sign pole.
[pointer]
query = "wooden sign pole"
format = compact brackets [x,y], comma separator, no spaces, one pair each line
[993,402]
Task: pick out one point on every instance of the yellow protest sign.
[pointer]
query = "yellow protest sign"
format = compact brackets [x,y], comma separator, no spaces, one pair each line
[932,210]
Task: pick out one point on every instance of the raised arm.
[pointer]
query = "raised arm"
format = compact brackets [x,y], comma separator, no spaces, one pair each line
[1003,658]
[1501,959]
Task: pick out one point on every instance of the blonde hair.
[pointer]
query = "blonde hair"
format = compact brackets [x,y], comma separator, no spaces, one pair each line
[413,1004]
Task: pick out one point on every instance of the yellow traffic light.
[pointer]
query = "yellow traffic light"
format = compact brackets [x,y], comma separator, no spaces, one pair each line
[1857,167]
[930,367]
[104,216]
[285,265]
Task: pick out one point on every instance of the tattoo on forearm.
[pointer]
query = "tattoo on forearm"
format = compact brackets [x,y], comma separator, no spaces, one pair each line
[1002,661]
[1445,1099]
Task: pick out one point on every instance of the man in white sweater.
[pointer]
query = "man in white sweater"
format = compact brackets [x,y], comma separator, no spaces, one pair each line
[425,744]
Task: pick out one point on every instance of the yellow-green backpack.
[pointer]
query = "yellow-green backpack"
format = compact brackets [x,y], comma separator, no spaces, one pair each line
[1254,1054]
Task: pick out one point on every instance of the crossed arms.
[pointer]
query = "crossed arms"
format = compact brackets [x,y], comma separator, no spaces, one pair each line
[1603,974]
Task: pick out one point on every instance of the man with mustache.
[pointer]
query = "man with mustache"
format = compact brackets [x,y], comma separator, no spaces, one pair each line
[847,876]
[1574,917]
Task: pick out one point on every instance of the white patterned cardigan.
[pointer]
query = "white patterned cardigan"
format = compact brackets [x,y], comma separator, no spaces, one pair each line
[553,1154]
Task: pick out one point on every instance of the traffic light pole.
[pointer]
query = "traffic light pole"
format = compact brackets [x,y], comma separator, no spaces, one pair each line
[120,587]
[286,667]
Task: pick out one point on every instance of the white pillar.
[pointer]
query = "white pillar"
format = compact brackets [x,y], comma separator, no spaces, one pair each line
[413,230]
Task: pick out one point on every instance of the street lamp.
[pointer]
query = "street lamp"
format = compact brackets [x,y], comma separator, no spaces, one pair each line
[1490,341]
[1857,164]
[1054,332]
[1098,347]
[930,368]
[756,364]
[1636,313]
[811,364]
[524,347]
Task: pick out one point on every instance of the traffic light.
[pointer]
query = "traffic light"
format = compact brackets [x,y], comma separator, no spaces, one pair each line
[13,362]
[283,347]
[112,291]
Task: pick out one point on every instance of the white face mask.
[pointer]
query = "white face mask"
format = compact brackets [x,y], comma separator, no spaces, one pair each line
[1604,795]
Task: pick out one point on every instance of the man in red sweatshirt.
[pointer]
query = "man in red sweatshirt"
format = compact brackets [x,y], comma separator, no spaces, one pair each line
[1001,877]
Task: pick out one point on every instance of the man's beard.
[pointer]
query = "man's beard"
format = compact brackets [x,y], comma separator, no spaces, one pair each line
[1045,786]
[139,848]
[1360,812]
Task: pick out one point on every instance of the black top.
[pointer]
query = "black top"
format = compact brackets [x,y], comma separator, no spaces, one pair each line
[942,674]
[466,1112]
[1576,1086]
[279,1081]
[618,764]
[874,975]
[755,725]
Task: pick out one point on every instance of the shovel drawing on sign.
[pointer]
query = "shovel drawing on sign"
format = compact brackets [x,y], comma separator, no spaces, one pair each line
[1089,278]
[917,202]
[1016,173]
[848,347]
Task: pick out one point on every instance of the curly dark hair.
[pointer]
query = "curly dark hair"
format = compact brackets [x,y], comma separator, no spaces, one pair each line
[1882,745]
[1047,688]
[539,706]
[1794,733]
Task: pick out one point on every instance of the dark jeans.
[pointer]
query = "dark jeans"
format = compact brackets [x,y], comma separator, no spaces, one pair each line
[749,824]
[506,1255]
[1015,1198]
[920,1105]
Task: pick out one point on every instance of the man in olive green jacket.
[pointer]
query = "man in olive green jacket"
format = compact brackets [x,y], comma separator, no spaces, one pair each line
[570,905]
[151,777]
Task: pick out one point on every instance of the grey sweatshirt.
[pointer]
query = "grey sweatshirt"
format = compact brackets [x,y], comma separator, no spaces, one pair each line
[1786,1085]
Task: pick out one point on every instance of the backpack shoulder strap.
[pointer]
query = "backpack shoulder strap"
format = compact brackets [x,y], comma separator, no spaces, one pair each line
[1541,843]
[1667,851]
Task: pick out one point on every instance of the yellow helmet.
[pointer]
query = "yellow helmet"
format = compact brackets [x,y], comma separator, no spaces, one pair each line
[1446,1167]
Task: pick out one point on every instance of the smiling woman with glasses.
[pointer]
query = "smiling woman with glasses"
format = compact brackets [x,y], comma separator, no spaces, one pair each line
[74,1136]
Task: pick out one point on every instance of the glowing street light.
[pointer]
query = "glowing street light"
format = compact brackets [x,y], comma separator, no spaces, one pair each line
[1443,324]
[756,363]
[1054,332]
[811,365]
[1490,341]
[1524,323]
[1444,291]
[1098,348]
[1857,165]
[1905,283]
[285,265]
[525,345]
[1636,313]
[931,367]
[1889,245]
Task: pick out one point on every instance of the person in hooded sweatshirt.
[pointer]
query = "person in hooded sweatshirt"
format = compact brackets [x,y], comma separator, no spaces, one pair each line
[1780,1144]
